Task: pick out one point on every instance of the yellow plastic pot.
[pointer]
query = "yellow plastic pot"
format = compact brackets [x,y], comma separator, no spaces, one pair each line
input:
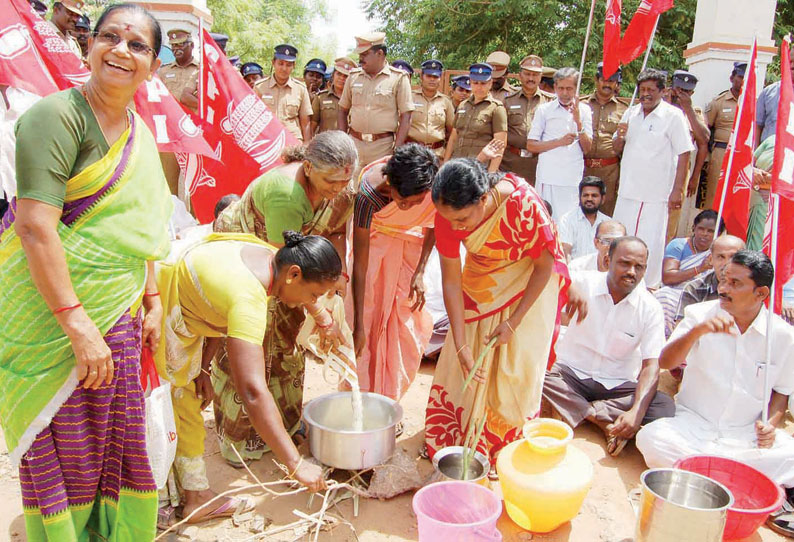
[544,480]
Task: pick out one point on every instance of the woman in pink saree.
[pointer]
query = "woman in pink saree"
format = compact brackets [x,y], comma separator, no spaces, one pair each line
[392,240]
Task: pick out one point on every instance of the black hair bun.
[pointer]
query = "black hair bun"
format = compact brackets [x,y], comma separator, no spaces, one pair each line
[292,238]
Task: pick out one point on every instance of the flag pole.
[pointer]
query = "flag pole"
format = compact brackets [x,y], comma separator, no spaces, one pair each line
[774,200]
[584,50]
[645,60]
[202,67]
[732,144]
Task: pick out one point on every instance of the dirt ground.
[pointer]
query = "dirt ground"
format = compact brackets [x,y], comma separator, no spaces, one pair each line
[606,516]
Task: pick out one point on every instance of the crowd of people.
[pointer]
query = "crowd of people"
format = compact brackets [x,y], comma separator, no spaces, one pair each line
[569,241]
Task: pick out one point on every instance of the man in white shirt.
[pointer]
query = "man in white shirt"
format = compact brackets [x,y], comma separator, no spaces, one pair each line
[577,226]
[654,138]
[605,232]
[561,132]
[719,408]
[607,366]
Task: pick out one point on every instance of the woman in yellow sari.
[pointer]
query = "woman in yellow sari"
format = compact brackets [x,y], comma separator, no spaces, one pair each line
[89,218]
[511,288]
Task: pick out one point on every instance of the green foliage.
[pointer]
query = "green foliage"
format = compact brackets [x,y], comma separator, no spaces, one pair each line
[460,32]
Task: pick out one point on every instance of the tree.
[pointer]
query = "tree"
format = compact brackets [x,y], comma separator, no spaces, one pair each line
[460,32]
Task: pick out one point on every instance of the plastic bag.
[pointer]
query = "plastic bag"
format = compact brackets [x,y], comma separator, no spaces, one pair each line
[160,425]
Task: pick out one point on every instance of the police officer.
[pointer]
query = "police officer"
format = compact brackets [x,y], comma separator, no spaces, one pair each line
[252,73]
[181,76]
[286,96]
[547,79]
[434,116]
[603,161]
[680,95]
[499,61]
[65,15]
[377,97]
[478,120]
[520,106]
[82,29]
[461,89]
[313,75]
[720,114]
[403,65]
[325,106]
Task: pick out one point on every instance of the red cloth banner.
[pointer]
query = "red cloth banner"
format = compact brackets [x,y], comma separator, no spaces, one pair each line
[638,33]
[736,208]
[611,57]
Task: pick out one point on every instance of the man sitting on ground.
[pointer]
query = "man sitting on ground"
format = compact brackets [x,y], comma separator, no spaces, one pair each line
[607,366]
[597,261]
[577,226]
[719,408]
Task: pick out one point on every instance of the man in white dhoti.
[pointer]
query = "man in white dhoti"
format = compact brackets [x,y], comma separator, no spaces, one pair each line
[654,138]
[719,407]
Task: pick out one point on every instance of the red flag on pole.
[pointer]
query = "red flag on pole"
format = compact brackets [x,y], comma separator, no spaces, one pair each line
[733,201]
[246,135]
[638,33]
[779,235]
[611,57]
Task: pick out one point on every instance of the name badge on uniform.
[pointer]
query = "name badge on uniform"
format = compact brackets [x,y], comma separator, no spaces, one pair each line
[267,97]
[462,111]
[418,105]
[357,85]
[728,110]
[515,106]
[327,102]
[169,75]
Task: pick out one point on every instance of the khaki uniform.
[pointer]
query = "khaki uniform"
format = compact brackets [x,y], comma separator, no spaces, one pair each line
[288,101]
[375,104]
[679,221]
[605,123]
[324,110]
[71,42]
[431,120]
[520,110]
[503,92]
[476,125]
[176,78]
[720,114]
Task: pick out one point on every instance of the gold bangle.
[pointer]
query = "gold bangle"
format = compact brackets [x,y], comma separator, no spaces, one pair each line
[300,462]
[461,349]
[509,326]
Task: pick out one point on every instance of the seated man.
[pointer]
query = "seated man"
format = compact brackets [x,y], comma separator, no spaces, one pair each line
[607,365]
[719,408]
[597,261]
[578,226]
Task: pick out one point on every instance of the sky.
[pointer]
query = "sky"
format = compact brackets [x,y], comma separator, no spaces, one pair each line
[347,19]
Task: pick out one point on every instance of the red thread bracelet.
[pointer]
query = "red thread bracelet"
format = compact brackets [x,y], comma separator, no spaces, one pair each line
[347,277]
[64,309]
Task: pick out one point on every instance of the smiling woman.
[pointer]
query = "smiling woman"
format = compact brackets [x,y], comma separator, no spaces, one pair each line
[89,218]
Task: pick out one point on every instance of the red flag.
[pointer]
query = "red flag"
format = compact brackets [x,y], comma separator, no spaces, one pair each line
[33,56]
[612,38]
[237,124]
[639,31]
[779,235]
[735,208]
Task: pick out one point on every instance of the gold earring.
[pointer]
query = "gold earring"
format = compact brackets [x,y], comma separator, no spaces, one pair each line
[289,281]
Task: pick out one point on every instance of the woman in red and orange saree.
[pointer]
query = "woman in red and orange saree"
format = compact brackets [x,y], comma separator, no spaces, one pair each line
[512,287]
[392,240]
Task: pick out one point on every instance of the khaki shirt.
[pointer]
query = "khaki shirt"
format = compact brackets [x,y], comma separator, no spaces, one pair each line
[503,92]
[431,118]
[720,113]
[520,110]
[605,123]
[476,125]
[324,110]
[288,101]
[71,42]
[177,78]
[376,102]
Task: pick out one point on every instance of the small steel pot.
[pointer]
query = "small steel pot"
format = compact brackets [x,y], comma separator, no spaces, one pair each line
[448,464]
[332,440]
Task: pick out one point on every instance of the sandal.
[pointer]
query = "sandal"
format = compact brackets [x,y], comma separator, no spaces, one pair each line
[782,520]
[166,517]
[615,445]
[493,476]
[299,436]
[232,506]
[423,453]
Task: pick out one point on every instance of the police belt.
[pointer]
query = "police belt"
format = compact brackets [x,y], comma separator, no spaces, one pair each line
[720,145]
[596,163]
[370,137]
[518,151]
[436,145]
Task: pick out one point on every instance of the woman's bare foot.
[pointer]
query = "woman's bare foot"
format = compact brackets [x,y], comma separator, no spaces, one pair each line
[222,508]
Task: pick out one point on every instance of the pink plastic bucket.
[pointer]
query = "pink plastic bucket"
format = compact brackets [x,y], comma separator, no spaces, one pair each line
[457,511]
[755,495]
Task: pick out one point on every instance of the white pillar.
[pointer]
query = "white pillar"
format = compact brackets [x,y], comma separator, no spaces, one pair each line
[724,31]
[178,14]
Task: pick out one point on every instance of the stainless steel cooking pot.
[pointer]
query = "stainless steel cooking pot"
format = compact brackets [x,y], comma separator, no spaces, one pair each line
[333,441]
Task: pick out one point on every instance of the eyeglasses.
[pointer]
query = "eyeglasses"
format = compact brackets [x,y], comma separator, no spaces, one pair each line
[135,47]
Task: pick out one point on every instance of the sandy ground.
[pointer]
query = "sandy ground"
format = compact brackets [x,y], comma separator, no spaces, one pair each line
[606,516]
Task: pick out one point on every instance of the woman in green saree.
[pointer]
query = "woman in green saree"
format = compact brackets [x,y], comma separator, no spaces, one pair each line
[78,244]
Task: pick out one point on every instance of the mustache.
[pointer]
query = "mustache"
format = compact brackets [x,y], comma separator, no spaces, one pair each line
[725,297]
